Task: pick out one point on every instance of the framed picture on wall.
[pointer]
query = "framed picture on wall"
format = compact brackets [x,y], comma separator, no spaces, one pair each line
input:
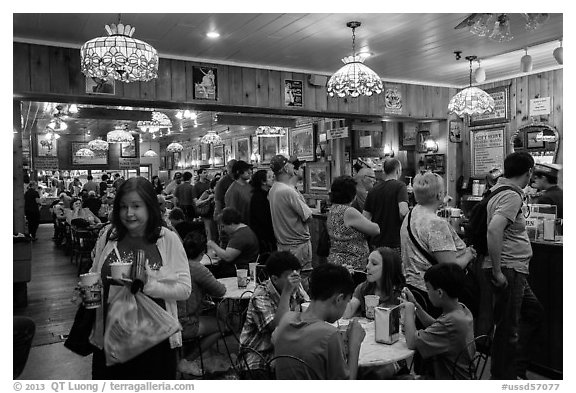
[99,158]
[302,142]
[268,149]
[219,155]
[422,136]
[501,113]
[128,149]
[46,147]
[317,176]
[455,131]
[205,83]
[243,149]
[408,136]
[100,86]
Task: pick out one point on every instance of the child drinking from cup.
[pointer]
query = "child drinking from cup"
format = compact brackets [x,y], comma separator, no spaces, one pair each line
[384,279]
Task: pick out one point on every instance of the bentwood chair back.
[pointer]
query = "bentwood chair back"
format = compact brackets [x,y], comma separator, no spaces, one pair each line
[482,346]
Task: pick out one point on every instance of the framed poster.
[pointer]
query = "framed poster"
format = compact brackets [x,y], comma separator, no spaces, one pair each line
[205,83]
[501,112]
[100,86]
[487,150]
[455,131]
[177,159]
[435,162]
[46,147]
[243,149]
[218,155]
[532,141]
[317,176]
[393,99]
[100,157]
[128,149]
[302,142]
[408,136]
[422,136]
[268,149]
[228,151]
[293,93]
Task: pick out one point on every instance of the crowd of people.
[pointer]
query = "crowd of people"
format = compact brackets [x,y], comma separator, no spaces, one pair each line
[378,246]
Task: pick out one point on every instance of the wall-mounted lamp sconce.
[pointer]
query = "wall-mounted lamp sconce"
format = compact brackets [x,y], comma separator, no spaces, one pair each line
[431,145]
[388,151]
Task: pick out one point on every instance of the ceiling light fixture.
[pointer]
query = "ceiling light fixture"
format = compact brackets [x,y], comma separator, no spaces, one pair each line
[558,54]
[98,145]
[174,147]
[354,79]
[159,120]
[526,62]
[471,100]
[211,136]
[480,73]
[212,34]
[84,152]
[119,135]
[119,56]
[501,32]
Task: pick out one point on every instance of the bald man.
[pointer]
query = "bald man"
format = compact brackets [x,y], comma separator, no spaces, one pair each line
[365,180]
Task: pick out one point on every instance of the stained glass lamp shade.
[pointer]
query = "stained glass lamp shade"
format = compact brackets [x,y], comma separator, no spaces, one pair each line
[98,145]
[471,100]
[119,56]
[174,147]
[354,78]
[211,137]
[119,135]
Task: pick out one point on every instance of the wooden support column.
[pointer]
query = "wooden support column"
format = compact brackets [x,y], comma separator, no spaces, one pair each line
[18,221]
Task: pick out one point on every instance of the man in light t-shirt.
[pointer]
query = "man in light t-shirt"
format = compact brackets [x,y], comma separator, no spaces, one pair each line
[290,213]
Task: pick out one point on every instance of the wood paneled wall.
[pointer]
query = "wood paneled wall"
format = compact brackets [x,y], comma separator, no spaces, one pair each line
[522,90]
[55,71]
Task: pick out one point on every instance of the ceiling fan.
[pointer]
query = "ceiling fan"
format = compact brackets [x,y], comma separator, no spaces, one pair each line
[533,21]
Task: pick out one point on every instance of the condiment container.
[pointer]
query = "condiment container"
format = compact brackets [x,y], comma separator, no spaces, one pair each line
[387,324]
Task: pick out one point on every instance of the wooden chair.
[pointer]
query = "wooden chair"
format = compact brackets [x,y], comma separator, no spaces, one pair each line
[482,345]
[83,242]
[310,371]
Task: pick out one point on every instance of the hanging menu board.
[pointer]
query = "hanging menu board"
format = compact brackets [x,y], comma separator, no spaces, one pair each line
[487,150]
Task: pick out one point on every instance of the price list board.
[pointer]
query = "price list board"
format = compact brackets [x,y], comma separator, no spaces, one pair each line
[487,150]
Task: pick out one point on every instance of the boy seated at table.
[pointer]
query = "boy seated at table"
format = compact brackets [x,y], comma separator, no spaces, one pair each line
[193,324]
[271,300]
[308,337]
[442,339]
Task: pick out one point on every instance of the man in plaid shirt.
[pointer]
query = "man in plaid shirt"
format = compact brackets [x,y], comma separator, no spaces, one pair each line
[281,293]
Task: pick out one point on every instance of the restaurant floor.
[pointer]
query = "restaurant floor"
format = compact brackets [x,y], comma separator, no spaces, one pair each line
[49,304]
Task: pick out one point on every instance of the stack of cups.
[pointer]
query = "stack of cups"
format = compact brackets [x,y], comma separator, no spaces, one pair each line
[242,276]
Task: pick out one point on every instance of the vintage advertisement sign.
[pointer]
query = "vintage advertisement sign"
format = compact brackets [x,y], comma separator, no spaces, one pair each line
[393,99]
[337,133]
[205,83]
[487,150]
[293,93]
[128,163]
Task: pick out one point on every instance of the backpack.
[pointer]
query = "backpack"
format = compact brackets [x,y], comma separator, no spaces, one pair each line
[477,224]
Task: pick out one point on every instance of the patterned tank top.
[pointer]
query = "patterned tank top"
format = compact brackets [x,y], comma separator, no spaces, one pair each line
[347,245]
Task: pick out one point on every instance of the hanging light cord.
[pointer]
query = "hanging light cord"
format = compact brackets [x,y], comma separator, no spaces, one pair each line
[470,72]
[354,42]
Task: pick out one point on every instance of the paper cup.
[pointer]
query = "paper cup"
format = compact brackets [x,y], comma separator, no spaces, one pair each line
[121,270]
[242,275]
[343,330]
[371,301]
[253,270]
[89,279]
[304,306]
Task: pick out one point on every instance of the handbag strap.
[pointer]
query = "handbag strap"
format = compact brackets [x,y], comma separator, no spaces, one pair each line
[426,254]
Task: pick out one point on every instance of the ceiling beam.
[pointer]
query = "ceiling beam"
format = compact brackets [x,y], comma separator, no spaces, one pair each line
[229,119]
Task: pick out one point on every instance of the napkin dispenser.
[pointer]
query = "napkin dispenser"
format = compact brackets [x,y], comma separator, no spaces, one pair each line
[387,324]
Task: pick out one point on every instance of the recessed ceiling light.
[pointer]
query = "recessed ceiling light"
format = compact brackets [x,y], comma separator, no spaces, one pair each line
[212,34]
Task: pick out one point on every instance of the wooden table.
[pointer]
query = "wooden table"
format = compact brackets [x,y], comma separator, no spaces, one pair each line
[373,353]
[232,290]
